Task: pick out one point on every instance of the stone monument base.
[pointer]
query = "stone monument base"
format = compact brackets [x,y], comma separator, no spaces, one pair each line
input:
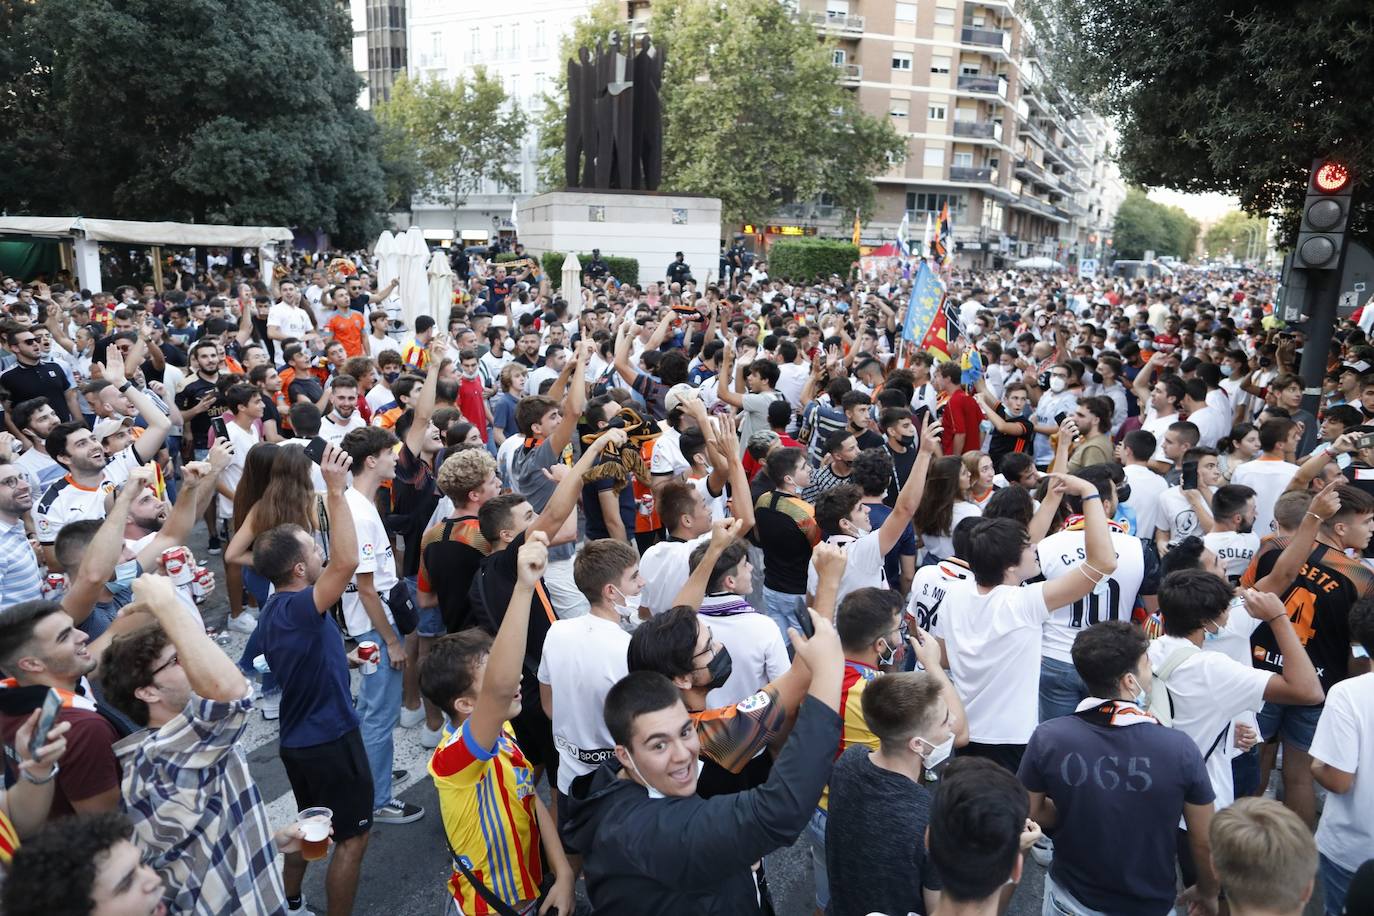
[647,226]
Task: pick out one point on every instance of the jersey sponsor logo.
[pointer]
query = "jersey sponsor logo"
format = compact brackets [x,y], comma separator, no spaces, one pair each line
[368,551]
[757,701]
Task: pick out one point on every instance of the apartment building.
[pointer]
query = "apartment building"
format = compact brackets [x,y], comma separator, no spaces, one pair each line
[379,46]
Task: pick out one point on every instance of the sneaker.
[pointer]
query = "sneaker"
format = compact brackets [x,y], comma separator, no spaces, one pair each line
[214,545]
[397,812]
[429,737]
[301,909]
[244,623]
[1043,852]
[271,705]
[412,717]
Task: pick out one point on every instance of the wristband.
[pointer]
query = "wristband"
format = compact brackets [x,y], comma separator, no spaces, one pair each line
[43,780]
[1317,517]
[125,387]
[1090,496]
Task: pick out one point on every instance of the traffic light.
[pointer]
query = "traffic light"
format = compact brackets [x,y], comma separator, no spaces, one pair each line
[1325,213]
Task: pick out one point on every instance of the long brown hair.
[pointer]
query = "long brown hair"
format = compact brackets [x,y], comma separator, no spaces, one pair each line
[935,514]
[257,474]
[290,496]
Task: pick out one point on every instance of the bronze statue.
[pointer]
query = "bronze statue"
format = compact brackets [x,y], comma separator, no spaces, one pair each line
[614,128]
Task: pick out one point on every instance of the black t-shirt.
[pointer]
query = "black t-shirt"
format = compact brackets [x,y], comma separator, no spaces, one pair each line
[868,439]
[591,503]
[893,869]
[902,464]
[452,553]
[41,380]
[189,397]
[305,384]
[1318,603]
[414,494]
[1002,443]
[270,412]
[490,596]
[786,533]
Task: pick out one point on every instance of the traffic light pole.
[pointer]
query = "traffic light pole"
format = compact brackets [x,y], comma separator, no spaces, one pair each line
[1323,295]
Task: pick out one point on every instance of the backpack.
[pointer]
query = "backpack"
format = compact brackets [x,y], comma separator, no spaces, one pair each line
[1161,701]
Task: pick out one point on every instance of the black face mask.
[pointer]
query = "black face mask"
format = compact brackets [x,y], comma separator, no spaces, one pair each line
[719,667]
[1123,493]
[1097,378]
[617,423]
[907,441]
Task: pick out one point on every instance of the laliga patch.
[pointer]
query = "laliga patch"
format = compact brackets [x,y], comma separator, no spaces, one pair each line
[368,552]
[758,701]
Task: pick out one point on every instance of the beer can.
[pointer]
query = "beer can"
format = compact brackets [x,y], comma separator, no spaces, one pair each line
[368,654]
[54,584]
[202,584]
[176,561]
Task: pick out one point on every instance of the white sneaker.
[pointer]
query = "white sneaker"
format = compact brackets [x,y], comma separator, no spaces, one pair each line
[429,738]
[303,908]
[1043,852]
[271,705]
[244,623]
[412,717]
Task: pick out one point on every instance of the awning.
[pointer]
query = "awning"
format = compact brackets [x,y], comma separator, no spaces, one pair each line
[141,233]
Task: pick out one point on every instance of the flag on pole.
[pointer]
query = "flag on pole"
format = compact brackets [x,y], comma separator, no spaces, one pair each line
[925,239]
[856,227]
[925,308]
[943,254]
[902,245]
[972,364]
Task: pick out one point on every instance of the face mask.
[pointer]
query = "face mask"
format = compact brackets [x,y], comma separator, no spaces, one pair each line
[470,375]
[888,659]
[719,667]
[391,376]
[1209,636]
[630,608]
[1225,371]
[1141,698]
[907,441]
[1097,378]
[1058,384]
[654,793]
[939,753]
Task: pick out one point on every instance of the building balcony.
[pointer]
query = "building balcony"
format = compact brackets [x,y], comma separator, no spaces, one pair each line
[832,23]
[1031,129]
[1028,169]
[850,74]
[986,38]
[431,61]
[991,85]
[970,175]
[978,130]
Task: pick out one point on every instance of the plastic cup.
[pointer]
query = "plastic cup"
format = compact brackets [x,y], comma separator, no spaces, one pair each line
[315,824]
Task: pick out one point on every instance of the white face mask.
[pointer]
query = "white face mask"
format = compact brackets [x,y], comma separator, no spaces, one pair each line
[654,793]
[1058,384]
[630,609]
[939,753]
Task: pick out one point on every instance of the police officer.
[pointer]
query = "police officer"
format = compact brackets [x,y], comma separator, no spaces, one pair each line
[679,272]
[734,258]
[596,268]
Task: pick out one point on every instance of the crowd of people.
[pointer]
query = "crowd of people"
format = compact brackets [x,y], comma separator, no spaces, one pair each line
[724,566]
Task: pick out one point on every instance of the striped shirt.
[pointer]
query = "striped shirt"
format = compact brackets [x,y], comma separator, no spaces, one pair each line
[197,813]
[855,731]
[19,578]
[486,796]
[822,479]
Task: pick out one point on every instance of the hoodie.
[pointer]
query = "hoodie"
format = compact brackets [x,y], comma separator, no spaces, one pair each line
[692,855]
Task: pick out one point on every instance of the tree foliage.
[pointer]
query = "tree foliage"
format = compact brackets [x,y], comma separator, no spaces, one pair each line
[1235,234]
[223,111]
[807,260]
[451,137]
[753,113]
[1237,99]
[1143,225]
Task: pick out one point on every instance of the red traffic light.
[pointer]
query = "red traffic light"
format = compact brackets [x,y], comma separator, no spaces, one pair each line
[1330,177]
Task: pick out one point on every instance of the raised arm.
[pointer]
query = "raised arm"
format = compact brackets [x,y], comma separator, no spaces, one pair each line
[501,681]
[1101,560]
[723,533]
[103,552]
[576,400]
[424,404]
[1289,563]
[145,446]
[211,674]
[343,537]
[725,388]
[661,332]
[622,353]
[909,497]
[564,498]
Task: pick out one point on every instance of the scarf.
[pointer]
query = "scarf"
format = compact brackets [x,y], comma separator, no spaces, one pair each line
[1113,713]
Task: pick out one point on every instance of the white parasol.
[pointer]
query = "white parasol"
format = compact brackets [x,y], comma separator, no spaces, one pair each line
[572,283]
[440,286]
[414,257]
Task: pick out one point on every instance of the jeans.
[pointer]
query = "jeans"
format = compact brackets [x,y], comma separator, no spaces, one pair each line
[1245,772]
[1296,725]
[567,600]
[785,610]
[1335,885]
[379,712]
[815,830]
[1059,902]
[1061,689]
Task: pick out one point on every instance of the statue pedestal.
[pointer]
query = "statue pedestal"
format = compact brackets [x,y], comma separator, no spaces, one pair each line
[647,226]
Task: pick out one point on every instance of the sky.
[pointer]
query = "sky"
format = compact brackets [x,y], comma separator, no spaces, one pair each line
[1205,208]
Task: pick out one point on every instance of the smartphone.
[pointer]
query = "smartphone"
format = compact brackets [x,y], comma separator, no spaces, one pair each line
[314,449]
[52,704]
[221,429]
[1060,417]
[1190,475]
[1365,441]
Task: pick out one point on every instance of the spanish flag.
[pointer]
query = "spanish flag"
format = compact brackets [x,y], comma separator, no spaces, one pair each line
[857,227]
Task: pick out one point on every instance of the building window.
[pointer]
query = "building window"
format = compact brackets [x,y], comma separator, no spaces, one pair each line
[901,60]
[539,34]
[475,44]
[515,41]
[436,45]
[933,203]
[935,113]
[944,17]
[498,42]
[963,160]
[836,9]
[934,155]
[899,108]
[939,65]
[837,57]
[969,70]
[905,12]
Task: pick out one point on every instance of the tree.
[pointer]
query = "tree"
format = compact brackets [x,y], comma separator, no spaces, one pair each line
[459,134]
[753,113]
[222,111]
[1143,225]
[1238,99]
[1237,235]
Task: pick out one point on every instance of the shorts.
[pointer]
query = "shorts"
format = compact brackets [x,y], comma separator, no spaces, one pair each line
[1007,756]
[534,734]
[334,775]
[1296,725]
[431,623]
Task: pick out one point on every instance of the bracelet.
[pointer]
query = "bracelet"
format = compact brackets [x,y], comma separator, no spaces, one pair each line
[44,780]
[125,387]
[1317,517]
[1090,496]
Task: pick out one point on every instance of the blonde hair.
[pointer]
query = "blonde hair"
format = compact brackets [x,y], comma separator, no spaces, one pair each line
[1264,855]
[465,471]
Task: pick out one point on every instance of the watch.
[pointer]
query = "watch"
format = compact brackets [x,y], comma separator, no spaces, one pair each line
[125,387]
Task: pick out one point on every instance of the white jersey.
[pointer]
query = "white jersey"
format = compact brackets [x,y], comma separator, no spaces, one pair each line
[582,660]
[929,587]
[1177,516]
[1112,599]
[1233,549]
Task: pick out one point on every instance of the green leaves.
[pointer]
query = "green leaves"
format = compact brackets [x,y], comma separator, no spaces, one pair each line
[753,112]
[1143,225]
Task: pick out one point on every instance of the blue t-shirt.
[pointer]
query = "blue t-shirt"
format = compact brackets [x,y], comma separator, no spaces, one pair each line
[503,413]
[304,649]
[905,546]
[1117,788]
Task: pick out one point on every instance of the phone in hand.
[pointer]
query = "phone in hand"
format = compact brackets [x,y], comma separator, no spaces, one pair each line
[1365,441]
[1190,475]
[52,704]
[314,449]
[221,429]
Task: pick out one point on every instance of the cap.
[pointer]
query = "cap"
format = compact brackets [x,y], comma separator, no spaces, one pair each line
[109,426]
[679,393]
